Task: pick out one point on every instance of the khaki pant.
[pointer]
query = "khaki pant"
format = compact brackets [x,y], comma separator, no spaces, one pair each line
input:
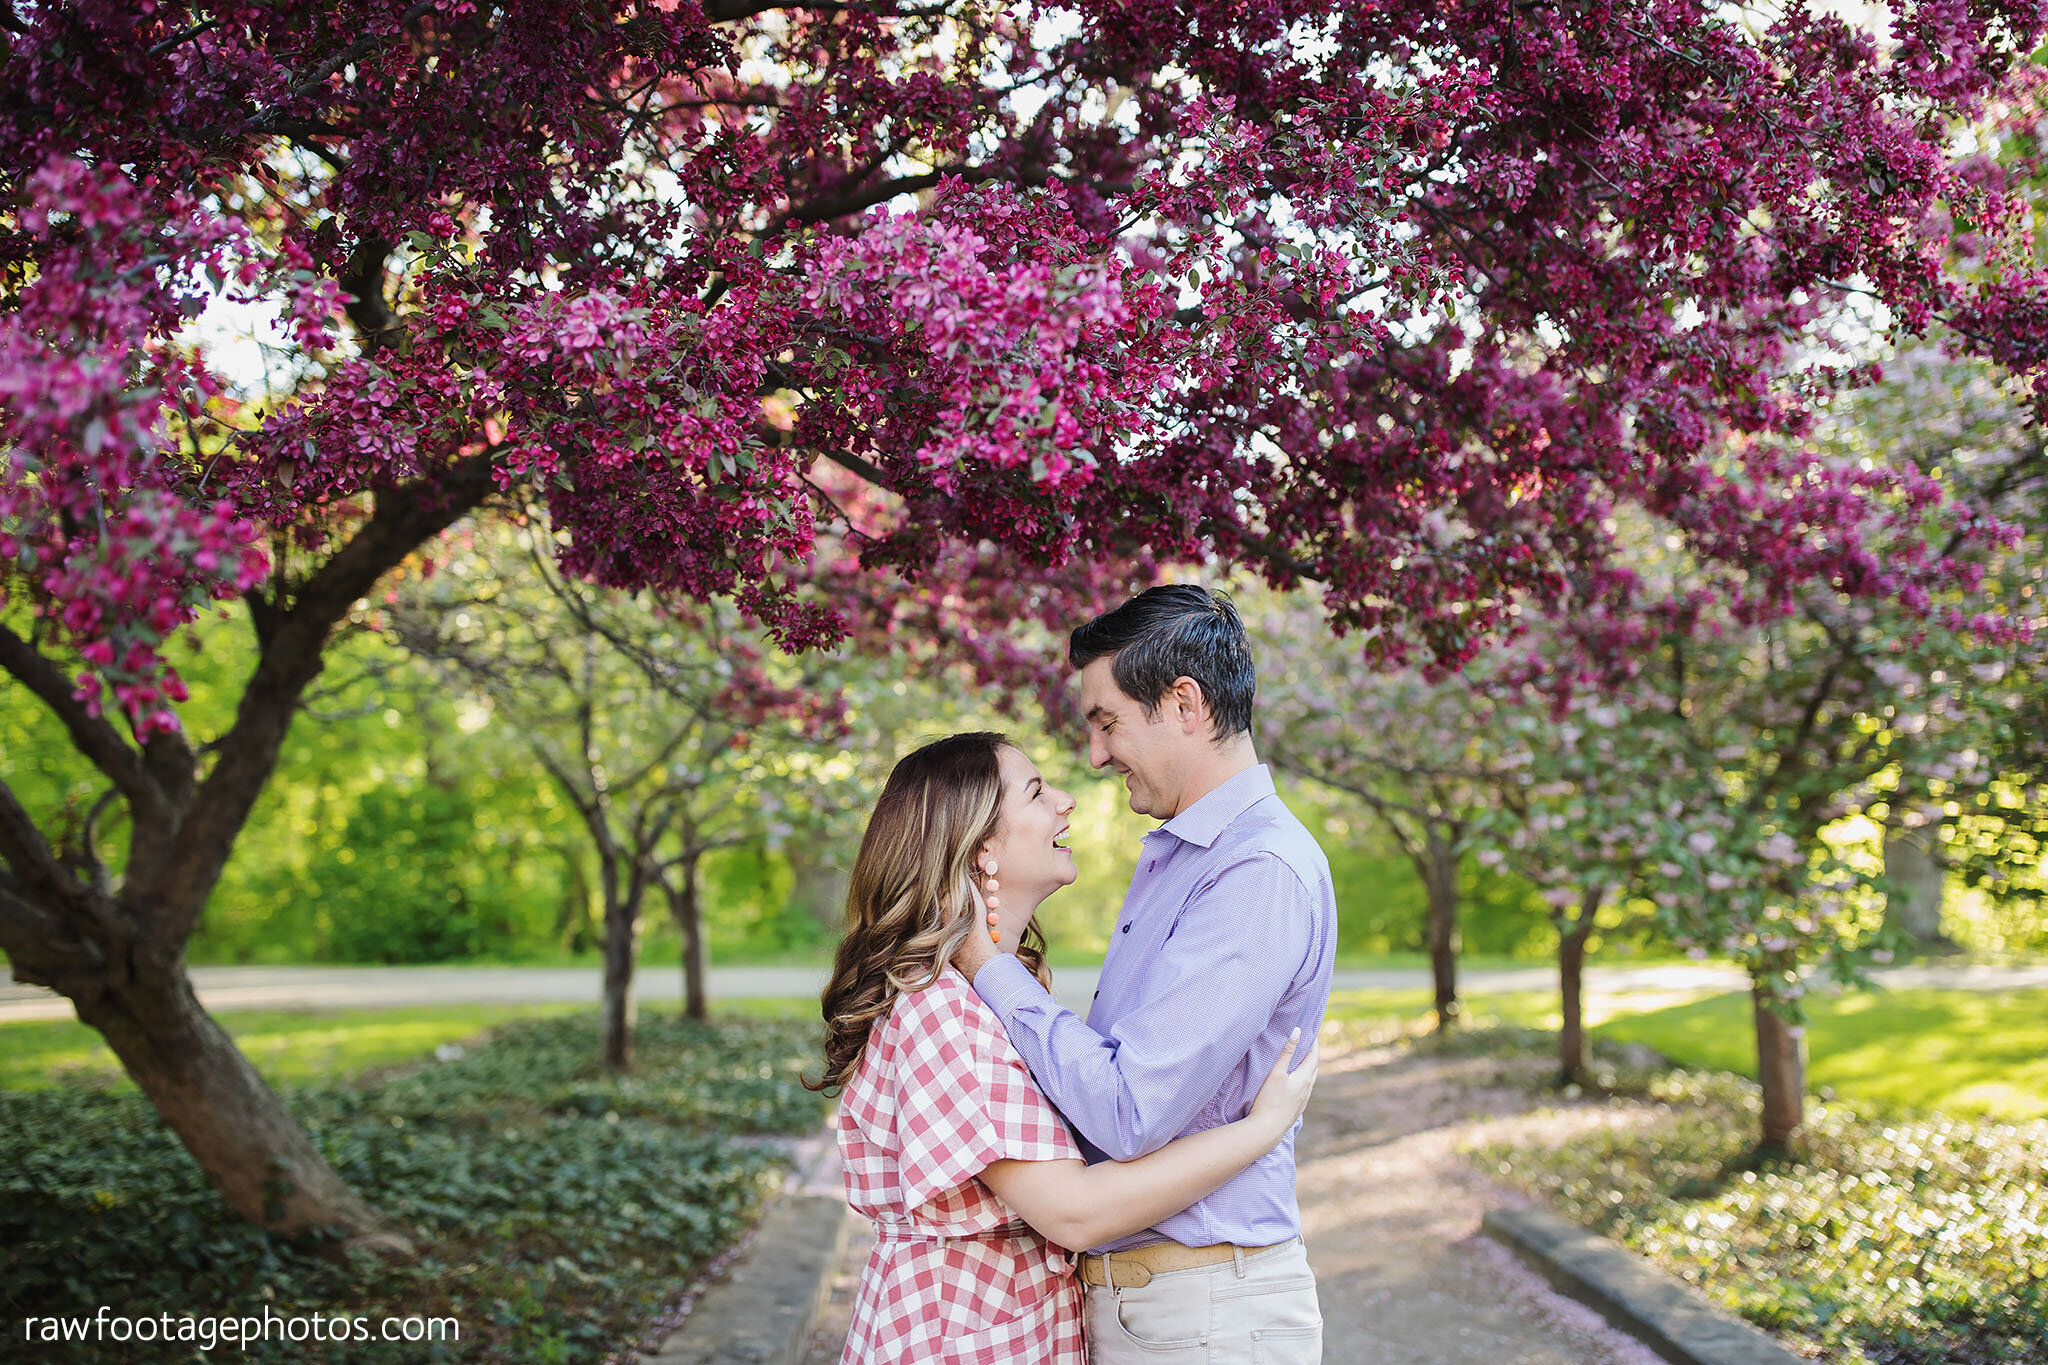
[1260,1310]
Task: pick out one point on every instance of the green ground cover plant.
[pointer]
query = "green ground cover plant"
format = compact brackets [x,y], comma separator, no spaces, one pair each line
[1881,1241]
[1896,1234]
[559,1210]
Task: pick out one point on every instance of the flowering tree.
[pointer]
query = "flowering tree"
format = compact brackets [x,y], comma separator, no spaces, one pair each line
[1404,297]
[1973,426]
[1707,778]
[1583,807]
[1456,766]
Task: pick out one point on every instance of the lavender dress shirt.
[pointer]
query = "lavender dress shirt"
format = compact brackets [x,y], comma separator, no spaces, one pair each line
[1225,943]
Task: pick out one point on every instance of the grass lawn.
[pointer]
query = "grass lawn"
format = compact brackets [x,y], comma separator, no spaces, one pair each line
[298,1047]
[1400,1011]
[1967,1053]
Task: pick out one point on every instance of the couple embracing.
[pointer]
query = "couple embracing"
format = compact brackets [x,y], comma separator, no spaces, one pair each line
[1056,1190]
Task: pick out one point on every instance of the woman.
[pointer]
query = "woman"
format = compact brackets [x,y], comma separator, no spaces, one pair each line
[947,1140]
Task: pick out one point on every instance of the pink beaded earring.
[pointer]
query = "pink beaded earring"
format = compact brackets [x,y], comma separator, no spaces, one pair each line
[990,886]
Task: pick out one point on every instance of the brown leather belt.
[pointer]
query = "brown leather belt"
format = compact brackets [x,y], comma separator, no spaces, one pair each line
[1135,1268]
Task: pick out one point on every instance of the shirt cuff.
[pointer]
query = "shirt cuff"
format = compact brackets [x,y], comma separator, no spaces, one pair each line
[1004,984]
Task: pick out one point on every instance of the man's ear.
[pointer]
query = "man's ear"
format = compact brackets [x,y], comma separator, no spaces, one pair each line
[1191,708]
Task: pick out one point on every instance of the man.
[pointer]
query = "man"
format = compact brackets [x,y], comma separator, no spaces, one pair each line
[1225,943]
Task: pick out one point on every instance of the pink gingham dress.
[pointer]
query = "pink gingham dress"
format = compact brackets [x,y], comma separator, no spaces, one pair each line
[955,1276]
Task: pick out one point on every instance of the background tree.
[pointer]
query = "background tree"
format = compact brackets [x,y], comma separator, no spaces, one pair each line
[1976,428]
[1741,744]
[646,722]
[1576,808]
[1419,755]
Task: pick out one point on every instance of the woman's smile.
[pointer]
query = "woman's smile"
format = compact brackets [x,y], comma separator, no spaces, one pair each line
[1033,853]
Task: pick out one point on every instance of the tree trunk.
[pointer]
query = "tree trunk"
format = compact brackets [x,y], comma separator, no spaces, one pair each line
[1912,863]
[1571,966]
[122,962]
[1440,876]
[572,922]
[621,945]
[686,904]
[228,1117]
[818,884]
[1781,1070]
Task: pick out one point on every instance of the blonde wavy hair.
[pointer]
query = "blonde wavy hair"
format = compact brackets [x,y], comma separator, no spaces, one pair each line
[912,899]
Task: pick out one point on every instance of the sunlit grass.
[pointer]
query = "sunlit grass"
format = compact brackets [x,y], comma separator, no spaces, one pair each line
[1376,1015]
[1957,1052]
[296,1047]
[1967,1053]
[1523,1009]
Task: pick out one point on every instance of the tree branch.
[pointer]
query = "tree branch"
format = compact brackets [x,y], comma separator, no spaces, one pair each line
[185,36]
[362,47]
[727,11]
[1386,809]
[93,736]
[90,865]
[181,872]
[363,280]
[847,202]
[658,760]
[41,950]
[37,873]
[1792,757]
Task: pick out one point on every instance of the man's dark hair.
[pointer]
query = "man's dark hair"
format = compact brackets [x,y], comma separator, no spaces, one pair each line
[1176,631]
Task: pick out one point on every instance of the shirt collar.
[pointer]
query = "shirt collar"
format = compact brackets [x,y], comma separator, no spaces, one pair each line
[1210,816]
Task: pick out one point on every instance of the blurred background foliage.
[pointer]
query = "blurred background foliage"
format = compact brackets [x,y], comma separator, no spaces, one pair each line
[406,825]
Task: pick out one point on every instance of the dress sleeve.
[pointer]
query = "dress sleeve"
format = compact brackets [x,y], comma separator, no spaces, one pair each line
[964,1099]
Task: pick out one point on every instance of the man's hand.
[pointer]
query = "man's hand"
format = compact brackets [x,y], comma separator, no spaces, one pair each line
[973,954]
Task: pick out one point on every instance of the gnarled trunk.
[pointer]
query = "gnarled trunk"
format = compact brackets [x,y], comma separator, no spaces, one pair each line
[685,903]
[230,1120]
[572,921]
[817,884]
[1912,863]
[118,955]
[621,947]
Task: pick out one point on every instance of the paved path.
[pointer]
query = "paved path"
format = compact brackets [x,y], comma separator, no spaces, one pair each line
[1391,1214]
[287,988]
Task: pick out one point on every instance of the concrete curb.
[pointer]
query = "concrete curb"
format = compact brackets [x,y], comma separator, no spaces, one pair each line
[1667,1314]
[763,1309]
[762,1312]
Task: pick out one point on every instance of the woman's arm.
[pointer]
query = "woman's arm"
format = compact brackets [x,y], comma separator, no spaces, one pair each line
[1080,1206]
